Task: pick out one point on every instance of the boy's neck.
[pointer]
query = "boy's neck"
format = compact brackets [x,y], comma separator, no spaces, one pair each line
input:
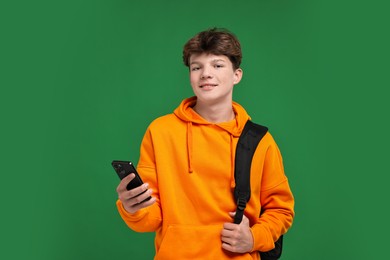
[217,113]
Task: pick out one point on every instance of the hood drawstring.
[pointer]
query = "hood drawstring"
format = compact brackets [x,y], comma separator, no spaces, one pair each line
[185,112]
[190,152]
[189,146]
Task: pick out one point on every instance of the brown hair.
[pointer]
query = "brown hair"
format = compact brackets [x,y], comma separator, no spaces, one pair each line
[214,41]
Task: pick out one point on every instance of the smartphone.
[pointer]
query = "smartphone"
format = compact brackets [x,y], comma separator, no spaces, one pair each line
[124,168]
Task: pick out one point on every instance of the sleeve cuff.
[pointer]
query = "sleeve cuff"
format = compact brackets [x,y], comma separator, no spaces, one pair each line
[262,240]
[129,216]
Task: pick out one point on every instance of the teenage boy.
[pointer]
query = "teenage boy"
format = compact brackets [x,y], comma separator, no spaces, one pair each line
[187,163]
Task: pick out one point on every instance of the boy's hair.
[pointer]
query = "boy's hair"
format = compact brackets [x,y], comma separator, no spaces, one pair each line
[215,41]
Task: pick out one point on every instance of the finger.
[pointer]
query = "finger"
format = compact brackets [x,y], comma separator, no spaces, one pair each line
[245,220]
[134,208]
[126,195]
[228,247]
[228,237]
[123,184]
[144,204]
[227,233]
[137,191]
[147,203]
[141,196]
[232,215]
[228,241]
[230,226]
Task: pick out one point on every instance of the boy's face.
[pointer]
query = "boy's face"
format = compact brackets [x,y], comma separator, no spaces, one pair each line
[213,77]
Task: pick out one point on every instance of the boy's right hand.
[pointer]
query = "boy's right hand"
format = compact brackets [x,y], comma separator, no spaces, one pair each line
[131,198]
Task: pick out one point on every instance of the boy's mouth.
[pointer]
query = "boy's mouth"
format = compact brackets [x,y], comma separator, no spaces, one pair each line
[208,85]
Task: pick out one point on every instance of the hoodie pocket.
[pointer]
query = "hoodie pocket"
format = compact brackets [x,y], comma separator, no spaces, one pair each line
[194,242]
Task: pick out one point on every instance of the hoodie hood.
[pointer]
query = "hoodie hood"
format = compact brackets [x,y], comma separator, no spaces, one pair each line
[185,112]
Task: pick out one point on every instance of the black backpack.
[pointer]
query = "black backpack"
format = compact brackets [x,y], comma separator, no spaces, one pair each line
[246,147]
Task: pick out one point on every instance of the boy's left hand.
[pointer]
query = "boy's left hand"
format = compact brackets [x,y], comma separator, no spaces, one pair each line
[237,238]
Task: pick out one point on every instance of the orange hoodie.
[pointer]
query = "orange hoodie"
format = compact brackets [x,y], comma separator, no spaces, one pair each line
[189,164]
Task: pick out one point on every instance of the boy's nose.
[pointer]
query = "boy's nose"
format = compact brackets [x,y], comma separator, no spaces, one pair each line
[206,74]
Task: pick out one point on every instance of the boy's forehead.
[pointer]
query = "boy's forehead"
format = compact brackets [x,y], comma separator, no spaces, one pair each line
[196,57]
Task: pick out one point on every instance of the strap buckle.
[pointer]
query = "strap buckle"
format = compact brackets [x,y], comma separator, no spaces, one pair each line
[241,204]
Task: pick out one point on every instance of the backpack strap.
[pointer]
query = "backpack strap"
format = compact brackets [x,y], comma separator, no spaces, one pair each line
[247,143]
[246,147]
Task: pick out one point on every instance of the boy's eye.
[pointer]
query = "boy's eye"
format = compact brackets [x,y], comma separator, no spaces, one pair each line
[218,65]
[194,68]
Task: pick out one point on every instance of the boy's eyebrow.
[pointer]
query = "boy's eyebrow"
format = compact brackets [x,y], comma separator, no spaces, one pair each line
[218,60]
[215,60]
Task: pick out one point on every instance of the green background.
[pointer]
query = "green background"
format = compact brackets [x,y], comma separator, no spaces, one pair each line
[81,80]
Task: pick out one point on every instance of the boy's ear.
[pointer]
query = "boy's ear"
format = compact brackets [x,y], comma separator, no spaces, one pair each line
[237,75]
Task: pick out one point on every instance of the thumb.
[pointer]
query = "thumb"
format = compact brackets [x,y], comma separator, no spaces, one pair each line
[245,220]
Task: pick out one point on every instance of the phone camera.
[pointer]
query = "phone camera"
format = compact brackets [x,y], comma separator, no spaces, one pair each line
[120,169]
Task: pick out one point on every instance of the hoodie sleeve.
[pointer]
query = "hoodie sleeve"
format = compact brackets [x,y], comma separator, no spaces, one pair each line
[147,219]
[277,202]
